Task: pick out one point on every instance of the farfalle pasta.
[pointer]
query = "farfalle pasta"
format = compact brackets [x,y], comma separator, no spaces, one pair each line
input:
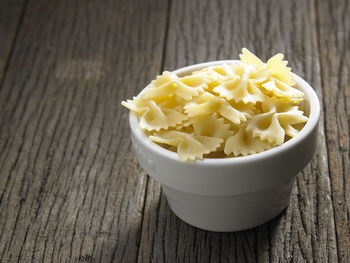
[189,146]
[228,110]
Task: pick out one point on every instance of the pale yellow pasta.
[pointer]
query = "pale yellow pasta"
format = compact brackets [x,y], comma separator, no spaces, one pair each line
[250,59]
[280,70]
[211,126]
[276,65]
[232,109]
[191,80]
[172,102]
[243,143]
[218,105]
[249,108]
[169,83]
[215,75]
[280,89]
[189,146]
[280,105]
[240,87]
[290,130]
[152,116]
[267,127]
[277,115]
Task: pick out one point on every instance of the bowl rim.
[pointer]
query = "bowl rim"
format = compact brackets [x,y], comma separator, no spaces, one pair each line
[311,124]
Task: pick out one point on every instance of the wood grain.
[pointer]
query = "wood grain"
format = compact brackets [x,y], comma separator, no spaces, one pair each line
[11,14]
[334,43]
[210,30]
[71,189]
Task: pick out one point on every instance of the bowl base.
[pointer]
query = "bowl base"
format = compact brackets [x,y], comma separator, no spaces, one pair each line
[229,213]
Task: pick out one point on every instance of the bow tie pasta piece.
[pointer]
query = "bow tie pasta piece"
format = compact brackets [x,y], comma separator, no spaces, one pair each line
[280,70]
[189,147]
[243,143]
[191,80]
[222,71]
[172,102]
[169,83]
[218,105]
[259,76]
[180,89]
[157,118]
[240,87]
[164,78]
[211,126]
[281,90]
[270,125]
[278,105]
[135,107]
[153,117]
[204,97]
[218,72]
[249,108]
[194,81]
[292,116]
[249,58]
[267,127]
[215,75]
[276,65]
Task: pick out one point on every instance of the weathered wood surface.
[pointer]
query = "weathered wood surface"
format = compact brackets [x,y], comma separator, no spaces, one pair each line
[333,22]
[11,14]
[70,186]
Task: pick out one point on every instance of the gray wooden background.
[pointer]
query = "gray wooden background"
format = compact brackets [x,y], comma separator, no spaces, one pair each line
[71,189]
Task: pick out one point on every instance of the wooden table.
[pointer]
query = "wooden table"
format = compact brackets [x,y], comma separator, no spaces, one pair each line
[71,189]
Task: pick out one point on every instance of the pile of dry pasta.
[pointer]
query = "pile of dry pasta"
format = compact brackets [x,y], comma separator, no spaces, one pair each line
[227,110]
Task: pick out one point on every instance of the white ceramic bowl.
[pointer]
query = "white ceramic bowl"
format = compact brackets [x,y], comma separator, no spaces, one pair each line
[230,194]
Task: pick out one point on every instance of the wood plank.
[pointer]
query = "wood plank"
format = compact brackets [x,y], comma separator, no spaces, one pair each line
[11,12]
[334,43]
[210,30]
[71,189]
